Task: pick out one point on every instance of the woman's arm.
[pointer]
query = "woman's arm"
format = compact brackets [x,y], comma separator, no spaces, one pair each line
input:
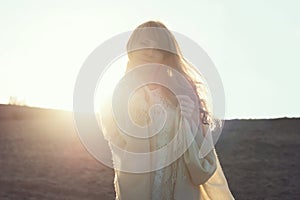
[110,129]
[199,157]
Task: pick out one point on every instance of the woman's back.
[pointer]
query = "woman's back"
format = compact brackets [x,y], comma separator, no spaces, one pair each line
[166,182]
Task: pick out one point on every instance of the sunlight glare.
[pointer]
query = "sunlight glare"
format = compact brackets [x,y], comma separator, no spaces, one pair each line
[108,81]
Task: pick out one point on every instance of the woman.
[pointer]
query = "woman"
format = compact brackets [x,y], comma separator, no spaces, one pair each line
[185,171]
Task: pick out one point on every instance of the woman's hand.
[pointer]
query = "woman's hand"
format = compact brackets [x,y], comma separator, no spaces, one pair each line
[187,105]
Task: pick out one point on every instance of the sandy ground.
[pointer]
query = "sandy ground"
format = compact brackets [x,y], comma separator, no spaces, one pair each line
[41,157]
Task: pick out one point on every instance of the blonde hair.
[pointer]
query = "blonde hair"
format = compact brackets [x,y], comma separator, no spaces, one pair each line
[179,63]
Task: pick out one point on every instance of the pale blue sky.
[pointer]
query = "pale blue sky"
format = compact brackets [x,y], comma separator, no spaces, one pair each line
[254,45]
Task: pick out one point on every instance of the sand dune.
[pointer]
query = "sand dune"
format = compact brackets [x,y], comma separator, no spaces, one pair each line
[41,157]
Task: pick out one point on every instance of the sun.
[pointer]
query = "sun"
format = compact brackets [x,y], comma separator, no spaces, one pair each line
[108,81]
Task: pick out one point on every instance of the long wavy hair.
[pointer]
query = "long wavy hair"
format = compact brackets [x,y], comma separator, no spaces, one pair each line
[179,63]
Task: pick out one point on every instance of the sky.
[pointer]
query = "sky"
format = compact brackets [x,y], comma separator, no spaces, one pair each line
[253,44]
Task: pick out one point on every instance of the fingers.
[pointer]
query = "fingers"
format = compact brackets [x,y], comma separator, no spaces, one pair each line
[187,105]
[185,99]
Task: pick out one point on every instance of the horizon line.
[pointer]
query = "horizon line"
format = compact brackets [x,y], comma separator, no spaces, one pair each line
[71,111]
